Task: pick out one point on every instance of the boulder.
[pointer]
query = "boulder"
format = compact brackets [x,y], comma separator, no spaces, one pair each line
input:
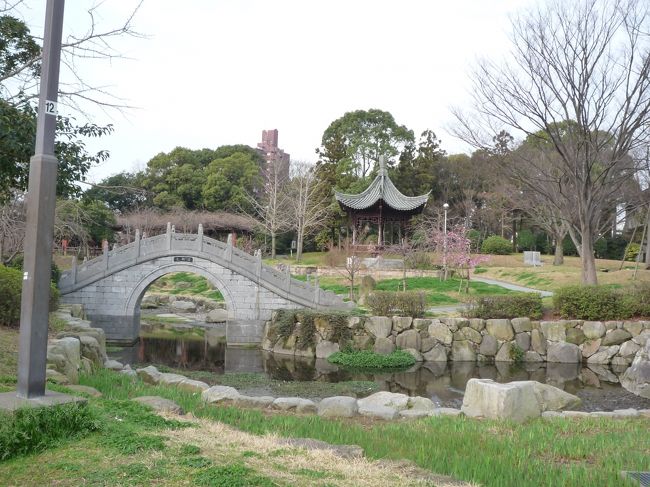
[253,401]
[91,391]
[532,357]
[593,329]
[149,302]
[553,399]
[325,348]
[65,355]
[379,326]
[87,366]
[149,374]
[419,403]
[338,407]
[216,316]
[408,339]
[505,352]
[384,346]
[500,329]
[523,341]
[437,354]
[91,349]
[362,342]
[590,347]
[415,354]
[629,349]
[463,351]
[57,377]
[415,413]
[218,394]
[393,400]
[378,412]
[521,325]
[446,412]
[297,404]
[441,332]
[575,336]
[489,346]
[616,337]
[113,365]
[183,306]
[421,324]
[634,328]
[636,379]
[160,404]
[401,323]
[515,401]
[538,342]
[427,343]
[79,331]
[183,383]
[604,355]
[468,333]
[566,353]
[554,331]
[477,323]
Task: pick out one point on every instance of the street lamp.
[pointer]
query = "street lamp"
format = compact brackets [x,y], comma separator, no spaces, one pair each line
[444,250]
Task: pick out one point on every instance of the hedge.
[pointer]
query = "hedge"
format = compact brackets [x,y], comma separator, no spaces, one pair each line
[602,302]
[11,282]
[366,359]
[403,303]
[496,245]
[508,306]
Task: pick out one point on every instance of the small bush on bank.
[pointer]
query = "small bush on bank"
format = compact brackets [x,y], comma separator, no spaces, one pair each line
[602,303]
[366,359]
[30,430]
[11,283]
[496,245]
[632,251]
[387,303]
[507,306]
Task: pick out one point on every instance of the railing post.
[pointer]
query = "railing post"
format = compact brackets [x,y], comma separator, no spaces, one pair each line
[258,264]
[287,276]
[316,290]
[169,236]
[73,270]
[199,238]
[105,254]
[227,254]
[136,244]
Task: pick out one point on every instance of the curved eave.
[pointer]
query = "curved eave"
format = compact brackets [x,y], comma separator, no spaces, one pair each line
[382,188]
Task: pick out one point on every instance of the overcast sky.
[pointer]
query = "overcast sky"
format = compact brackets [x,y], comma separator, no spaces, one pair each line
[215,72]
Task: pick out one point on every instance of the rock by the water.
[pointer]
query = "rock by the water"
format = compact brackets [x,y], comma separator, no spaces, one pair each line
[554,331]
[408,339]
[500,329]
[160,404]
[253,401]
[378,412]
[338,407]
[593,329]
[489,346]
[218,394]
[325,348]
[384,346]
[184,306]
[636,379]
[114,365]
[515,401]
[217,316]
[379,326]
[65,356]
[521,325]
[562,352]
[441,332]
[437,354]
[463,351]
[616,337]
[393,400]
[298,404]
[415,354]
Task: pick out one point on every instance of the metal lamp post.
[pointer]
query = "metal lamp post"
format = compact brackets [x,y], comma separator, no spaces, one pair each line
[444,252]
[41,202]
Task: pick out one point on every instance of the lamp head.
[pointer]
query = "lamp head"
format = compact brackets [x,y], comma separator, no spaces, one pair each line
[446,206]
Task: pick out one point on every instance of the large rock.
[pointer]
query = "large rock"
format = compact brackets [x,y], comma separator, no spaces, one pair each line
[217,316]
[219,394]
[468,333]
[629,349]
[408,339]
[379,326]
[378,412]
[532,357]
[489,346]
[604,355]
[505,353]
[575,336]
[463,351]
[590,347]
[593,329]
[113,365]
[65,356]
[514,401]
[401,323]
[420,403]
[183,383]
[415,354]
[91,391]
[149,374]
[253,401]
[184,306]
[297,404]
[441,332]
[616,337]
[92,350]
[79,331]
[338,407]
[523,341]
[437,354]
[554,331]
[160,404]
[384,346]
[636,379]
[634,328]
[324,349]
[500,329]
[566,353]
[393,400]
[521,325]
[538,342]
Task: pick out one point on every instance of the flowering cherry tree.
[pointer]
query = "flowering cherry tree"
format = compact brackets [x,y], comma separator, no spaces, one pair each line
[454,247]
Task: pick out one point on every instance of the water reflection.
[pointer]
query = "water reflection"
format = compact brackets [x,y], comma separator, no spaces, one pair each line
[444,383]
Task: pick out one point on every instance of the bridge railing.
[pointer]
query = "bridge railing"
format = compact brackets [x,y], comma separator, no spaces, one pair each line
[130,254]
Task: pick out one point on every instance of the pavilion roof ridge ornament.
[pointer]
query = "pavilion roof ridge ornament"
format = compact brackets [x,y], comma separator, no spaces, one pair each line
[382,188]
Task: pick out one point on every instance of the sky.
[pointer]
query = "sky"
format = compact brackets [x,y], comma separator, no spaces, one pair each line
[211,73]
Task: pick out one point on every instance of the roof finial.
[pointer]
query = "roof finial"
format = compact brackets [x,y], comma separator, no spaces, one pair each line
[382,165]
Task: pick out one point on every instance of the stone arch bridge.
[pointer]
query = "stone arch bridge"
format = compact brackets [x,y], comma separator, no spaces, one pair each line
[111,286]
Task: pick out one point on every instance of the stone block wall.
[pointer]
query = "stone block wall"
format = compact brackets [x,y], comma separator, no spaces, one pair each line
[474,340]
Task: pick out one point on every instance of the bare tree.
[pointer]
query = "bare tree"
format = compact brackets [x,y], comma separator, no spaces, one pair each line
[271,212]
[578,82]
[309,208]
[12,229]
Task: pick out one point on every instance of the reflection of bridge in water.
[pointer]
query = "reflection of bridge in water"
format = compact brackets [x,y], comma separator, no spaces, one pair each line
[111,286]
[442,382]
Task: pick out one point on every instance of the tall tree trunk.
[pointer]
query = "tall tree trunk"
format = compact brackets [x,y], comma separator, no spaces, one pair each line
[588,260]
[558,258]
[272,245]
[647,240]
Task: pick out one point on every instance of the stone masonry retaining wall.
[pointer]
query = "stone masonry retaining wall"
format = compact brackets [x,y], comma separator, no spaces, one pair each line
[461,339]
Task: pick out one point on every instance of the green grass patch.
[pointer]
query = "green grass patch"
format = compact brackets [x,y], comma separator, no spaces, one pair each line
[366,359]
[186,284]
[235,475]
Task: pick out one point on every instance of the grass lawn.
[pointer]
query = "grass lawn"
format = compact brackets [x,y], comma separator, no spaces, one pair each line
[8,351]
[185,284]
[134,448]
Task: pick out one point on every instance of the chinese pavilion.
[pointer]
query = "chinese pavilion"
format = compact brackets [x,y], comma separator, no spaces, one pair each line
[381,204]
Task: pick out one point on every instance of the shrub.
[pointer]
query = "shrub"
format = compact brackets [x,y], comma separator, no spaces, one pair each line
[508,306]
[17,263]
[526,240]
[516,353]
[632,251]
[11,283]
[592,303]
[30,430]
[366,359]
[387,303]
[496,245]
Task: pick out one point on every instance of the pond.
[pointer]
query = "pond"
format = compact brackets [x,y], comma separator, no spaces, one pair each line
[443,383]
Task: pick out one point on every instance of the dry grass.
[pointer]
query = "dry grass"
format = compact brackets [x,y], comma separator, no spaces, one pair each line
[8,351]
[270,456]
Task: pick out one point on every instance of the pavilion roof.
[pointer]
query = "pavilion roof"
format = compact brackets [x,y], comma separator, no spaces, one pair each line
[382,188]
